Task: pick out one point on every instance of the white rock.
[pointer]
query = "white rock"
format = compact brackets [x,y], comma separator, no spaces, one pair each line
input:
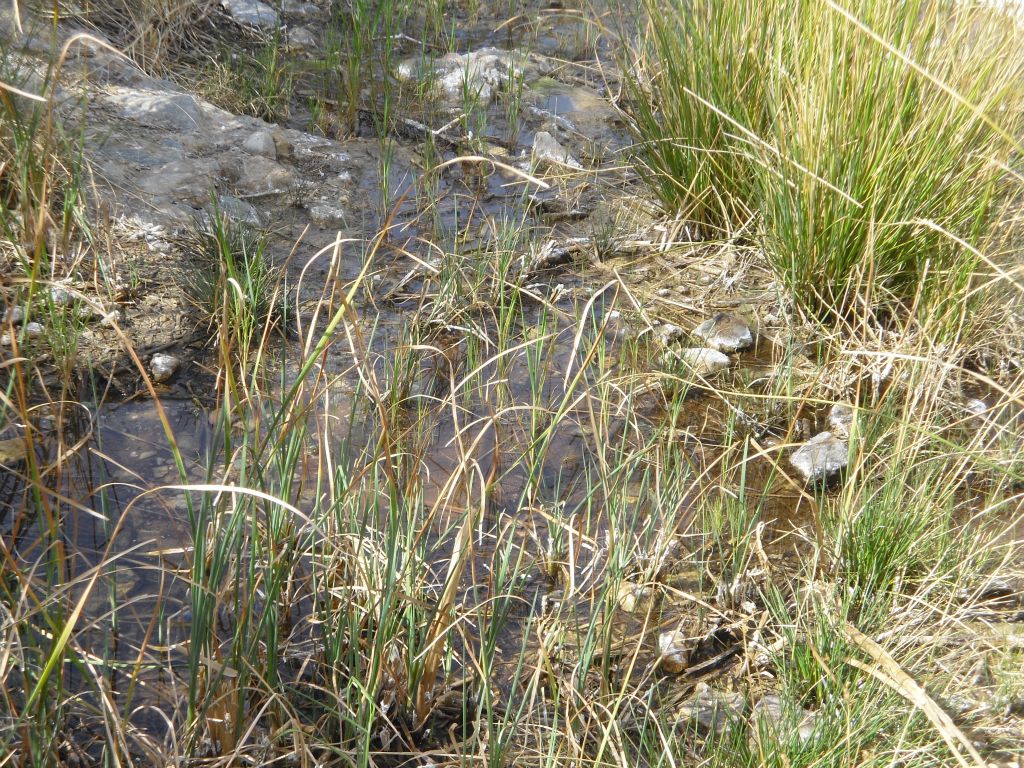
[840,419]
[669,333]
[702,361]
[710,711]
[773,714]
[976,407]
[261,143]
[251,13]
[477,74]
[674,650]
[725,332]
[546,149]
[163,367]
[326,215]
[821,459]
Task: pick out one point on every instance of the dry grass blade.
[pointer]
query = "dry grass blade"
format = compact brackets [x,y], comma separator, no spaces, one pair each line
[891,673]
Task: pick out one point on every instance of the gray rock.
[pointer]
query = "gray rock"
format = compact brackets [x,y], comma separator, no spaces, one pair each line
[821,459]
[34,330]
[771,712]
[299,8]
[163,367]
[261,143]
[480,73]
[60,296]
[546,149]
[162,109]
[251,13]
[976,407]
[239,210]
[670,333]
[302,38]
[709,711]
[840,419]
[702,361]
[725,332]
[13,316]
[327,215]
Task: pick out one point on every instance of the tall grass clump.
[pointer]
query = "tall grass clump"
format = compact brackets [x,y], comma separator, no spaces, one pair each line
[874,140]
[706,69]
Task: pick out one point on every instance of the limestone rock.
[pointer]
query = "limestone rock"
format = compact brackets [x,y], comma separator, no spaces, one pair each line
[725,333]
[821,459]
[547,149]
[251,13]
[261,143]
[771,712]
[163,367]
[709,711]
[701,361]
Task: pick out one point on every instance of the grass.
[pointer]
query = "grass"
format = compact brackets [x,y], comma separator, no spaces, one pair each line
[874,144]
[408,540]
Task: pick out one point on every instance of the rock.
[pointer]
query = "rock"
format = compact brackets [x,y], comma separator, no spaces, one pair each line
[251,13]
[976,407]
[163,367]
[299,8]
[633,597]
[840,419]
[725,332]
[700,360]
[260,175]
[669,333]
[261,143]
[326,215]
[34,330]
[13,316]
[546,149]
[674,650]
[709,711]
[478,74]
[821,459]
[161,109]
[60,296]
[302,38]
[770,712]
[239,210]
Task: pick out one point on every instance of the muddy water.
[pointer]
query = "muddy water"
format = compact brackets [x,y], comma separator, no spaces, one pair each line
[126,460]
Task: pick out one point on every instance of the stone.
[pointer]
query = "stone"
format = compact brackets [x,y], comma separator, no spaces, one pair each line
[251,13]
[261,143]
[669,333]
[161,109]
[821,459]
[479,74]
[725,333]
[840,419]
[546,149]
[239,210]
[163,367]
[976,407]
[674,649]
[13,316]
[633,597]
[60,296]
[327,215]
[701,361]
[772,713]
[302,38]
[34,330]
[709,711]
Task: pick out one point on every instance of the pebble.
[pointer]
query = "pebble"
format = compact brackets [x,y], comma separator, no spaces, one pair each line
[163,367]
[674,650]
[821,459]
[60,296]
[326,215]
[546,149]
[34,330]
[633,597]
[669,333]
[709,711]
[725,333]
[14,316]
[772,712]
[261,143]
[700,360]
[840,419]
